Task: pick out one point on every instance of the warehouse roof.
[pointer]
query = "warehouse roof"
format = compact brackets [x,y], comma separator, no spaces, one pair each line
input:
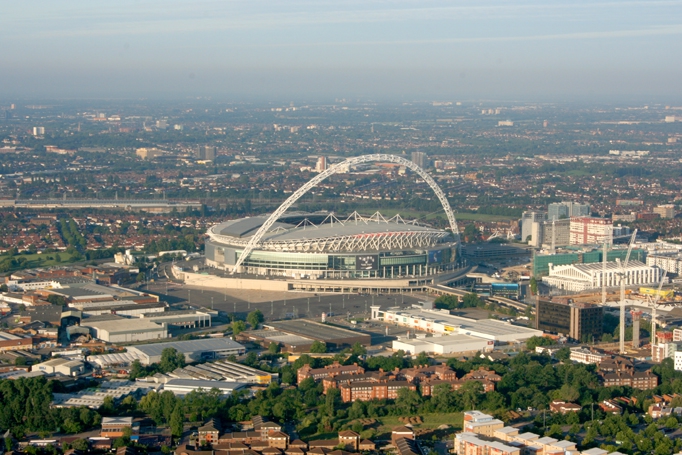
[193,384]
[466,326]
[123,325]
[185,347]
[314,330]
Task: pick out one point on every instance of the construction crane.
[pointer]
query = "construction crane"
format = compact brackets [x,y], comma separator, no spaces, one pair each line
[623,270]
[654,305]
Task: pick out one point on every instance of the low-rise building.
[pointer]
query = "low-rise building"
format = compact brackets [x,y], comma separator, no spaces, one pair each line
[563,407]
[67,367]
[586,356]
[10,342]
[115,427]
[481,423]
[329,371]
[370,390]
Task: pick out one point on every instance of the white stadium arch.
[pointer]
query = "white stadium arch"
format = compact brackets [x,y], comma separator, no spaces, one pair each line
[339,168]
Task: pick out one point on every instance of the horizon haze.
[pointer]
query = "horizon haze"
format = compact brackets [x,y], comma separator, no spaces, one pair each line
[602,51]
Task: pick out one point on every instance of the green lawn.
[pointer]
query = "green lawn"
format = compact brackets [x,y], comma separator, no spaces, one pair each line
[431,421]
[40,260]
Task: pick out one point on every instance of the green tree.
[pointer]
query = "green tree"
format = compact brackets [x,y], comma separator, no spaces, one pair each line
[358,349]
[318,347]
[535,341]
[408,401]
[273,348]
[255,318]
[533,286]
[55,299]
[108,406]
[238,327]
[80,444]
[176,422]
[471,392]
[171,359]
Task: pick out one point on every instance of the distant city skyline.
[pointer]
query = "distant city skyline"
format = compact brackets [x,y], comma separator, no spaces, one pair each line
[603,51]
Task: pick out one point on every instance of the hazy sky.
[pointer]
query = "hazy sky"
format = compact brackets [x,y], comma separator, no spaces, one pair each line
[317,49]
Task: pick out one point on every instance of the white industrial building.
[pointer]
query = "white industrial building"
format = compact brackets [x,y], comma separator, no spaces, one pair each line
[67,367]
[182,387]
[122,330]
[443,344]
[221,370]
[194,350]
[94,398]
[580,277]
[123,308]
[457,334]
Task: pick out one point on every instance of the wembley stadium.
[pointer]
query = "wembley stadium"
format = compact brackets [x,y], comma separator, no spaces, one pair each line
[311,249]
[322,246]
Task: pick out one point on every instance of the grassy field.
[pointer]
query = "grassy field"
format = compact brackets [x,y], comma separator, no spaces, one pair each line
[431,422]
[41,260]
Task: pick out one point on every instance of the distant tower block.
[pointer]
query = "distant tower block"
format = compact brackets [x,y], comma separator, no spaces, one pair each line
[636,316]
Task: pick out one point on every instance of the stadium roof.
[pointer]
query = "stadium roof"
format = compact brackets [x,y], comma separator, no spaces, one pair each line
[354,233]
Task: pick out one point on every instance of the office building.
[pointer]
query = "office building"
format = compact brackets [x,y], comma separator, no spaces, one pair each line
[527,220]
[662,351]
[162,124]
[669,263]
[677,361]
[561,210]
[578,321]
[321,164]
[666,211]
[581,277]
[556,233]
[589,230]
[420,159]
[38,130]
[621,231]
[148,153]
[207,152]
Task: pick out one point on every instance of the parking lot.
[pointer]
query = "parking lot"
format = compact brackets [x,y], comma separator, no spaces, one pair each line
[278,305]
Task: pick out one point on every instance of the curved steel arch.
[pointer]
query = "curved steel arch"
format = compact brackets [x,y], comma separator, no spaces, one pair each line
[336,168]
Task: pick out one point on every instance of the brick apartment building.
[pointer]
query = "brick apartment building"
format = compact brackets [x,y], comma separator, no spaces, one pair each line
[329,371]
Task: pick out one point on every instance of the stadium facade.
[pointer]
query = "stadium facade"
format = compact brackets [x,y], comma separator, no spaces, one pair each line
[321,246]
